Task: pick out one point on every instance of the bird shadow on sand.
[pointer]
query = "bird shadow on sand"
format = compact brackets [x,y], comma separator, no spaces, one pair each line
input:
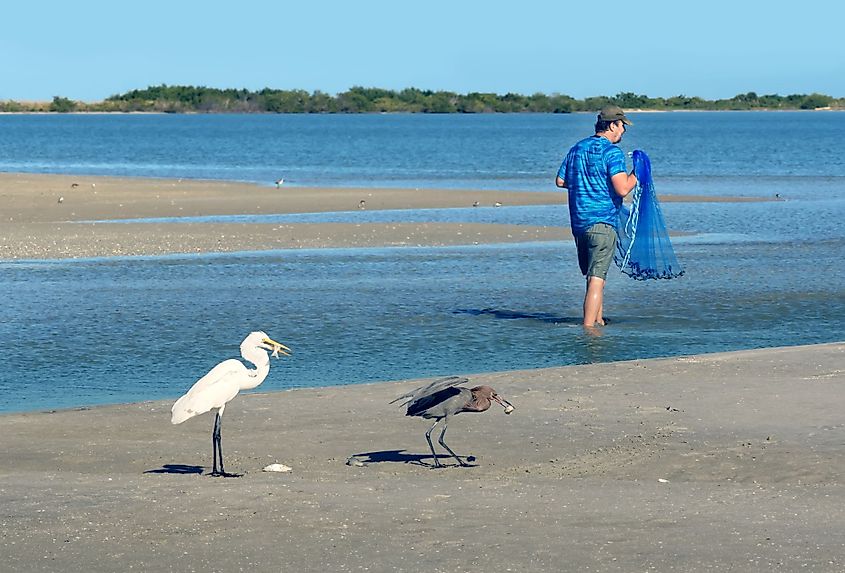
[506,314]
[177,469]
[399,456]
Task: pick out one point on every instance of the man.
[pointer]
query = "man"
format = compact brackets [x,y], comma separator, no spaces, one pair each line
[595,176]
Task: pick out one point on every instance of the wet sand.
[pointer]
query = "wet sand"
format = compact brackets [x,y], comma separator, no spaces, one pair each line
[730,461]
[48,217]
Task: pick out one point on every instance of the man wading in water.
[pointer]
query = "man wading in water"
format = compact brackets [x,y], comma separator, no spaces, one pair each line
[594,173]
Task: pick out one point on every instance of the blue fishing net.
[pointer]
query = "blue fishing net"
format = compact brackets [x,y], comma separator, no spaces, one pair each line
[644,250]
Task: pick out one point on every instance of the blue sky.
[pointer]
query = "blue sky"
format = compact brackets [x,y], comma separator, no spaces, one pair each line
[89,50]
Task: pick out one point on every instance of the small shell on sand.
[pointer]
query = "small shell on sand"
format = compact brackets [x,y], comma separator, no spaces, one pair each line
[276,468]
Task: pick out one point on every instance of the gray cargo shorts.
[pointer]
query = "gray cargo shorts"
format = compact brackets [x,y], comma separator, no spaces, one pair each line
[595,250]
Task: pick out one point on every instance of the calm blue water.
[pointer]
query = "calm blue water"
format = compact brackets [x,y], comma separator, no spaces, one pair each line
[763,274]
[710,153]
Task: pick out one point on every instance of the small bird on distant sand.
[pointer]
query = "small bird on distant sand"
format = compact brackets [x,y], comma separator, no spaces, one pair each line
[497,204]
[476,204]
[444,398]
[61,199]
[74,185]
[279,183]
[362,204]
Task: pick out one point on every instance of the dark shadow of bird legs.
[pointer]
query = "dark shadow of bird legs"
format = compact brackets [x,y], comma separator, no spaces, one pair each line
[217,449]
[367,458]
[176,469]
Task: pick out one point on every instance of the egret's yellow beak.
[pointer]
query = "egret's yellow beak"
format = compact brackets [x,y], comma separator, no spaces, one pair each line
[277,347]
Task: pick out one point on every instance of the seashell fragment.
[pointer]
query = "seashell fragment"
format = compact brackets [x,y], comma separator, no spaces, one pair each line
[276,468]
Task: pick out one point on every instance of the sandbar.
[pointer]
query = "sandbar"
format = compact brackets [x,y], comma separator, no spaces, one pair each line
[729,461]
[64,216]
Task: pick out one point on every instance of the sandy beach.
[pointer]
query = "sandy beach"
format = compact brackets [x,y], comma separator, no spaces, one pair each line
[49,217]
[720,462]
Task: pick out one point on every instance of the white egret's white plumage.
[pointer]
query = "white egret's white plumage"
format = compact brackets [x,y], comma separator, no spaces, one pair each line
[223,382]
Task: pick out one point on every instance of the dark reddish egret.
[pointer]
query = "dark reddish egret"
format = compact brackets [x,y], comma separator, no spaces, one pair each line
[444,398]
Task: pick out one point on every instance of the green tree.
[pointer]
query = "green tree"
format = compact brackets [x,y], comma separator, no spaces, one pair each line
[62,105]
[320,102]
[441,102]
[814,101]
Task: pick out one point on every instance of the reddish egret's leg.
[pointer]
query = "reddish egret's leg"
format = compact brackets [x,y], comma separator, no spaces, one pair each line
[448,449]
[428,438]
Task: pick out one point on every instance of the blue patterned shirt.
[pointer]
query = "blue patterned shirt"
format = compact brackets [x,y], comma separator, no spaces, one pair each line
[587,170]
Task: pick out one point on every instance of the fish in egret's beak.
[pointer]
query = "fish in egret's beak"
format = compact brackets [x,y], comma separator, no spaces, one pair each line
[503,403]
[276,347]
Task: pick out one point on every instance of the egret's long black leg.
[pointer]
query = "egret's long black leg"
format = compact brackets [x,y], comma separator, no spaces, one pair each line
[448,449]
[430,445]
[220,443]
[215,446]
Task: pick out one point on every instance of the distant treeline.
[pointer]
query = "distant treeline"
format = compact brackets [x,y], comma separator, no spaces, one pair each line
[191,99]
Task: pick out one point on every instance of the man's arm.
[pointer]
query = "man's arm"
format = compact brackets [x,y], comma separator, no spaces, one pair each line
[560,182]
[623,183]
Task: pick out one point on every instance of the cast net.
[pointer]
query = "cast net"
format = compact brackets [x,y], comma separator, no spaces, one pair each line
[644,250]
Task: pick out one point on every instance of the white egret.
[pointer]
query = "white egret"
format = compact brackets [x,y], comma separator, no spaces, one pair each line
[222,383]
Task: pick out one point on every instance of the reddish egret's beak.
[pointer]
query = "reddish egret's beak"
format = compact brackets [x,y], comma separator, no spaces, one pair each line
[504,403]
[277,347]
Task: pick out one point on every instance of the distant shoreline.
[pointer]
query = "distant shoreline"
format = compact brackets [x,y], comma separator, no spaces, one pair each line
[628,110]
[201,99]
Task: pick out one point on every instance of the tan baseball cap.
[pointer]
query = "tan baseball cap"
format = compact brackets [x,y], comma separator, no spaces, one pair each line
[614,113]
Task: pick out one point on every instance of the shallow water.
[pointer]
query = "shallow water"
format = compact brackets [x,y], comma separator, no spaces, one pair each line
[100,331]
[78,333]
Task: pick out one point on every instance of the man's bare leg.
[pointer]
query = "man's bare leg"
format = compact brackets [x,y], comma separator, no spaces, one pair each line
[594,302]
[600,320]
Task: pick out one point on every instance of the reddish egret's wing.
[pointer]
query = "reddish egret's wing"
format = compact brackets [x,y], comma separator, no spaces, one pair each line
[445,402]
[429,389]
